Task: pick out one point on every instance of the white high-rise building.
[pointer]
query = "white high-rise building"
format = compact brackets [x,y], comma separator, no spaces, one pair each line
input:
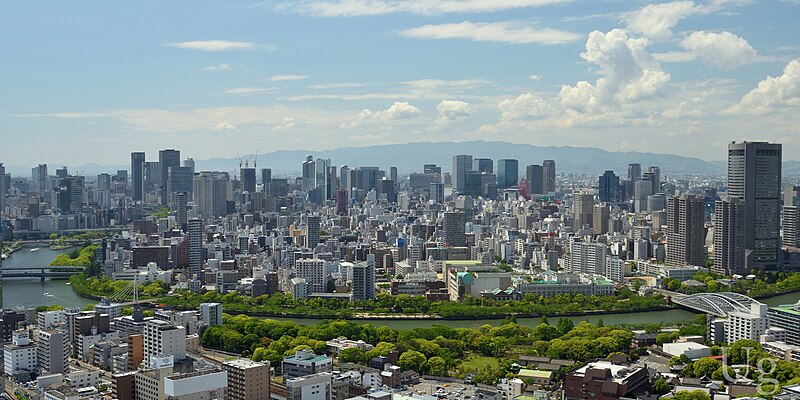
[52,351]
[162,337]
[588,257]
[211,314]
[313,271]
[20,354]
[309,387]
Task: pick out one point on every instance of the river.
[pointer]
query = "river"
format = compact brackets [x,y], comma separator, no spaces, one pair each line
[25,293]
[29,293]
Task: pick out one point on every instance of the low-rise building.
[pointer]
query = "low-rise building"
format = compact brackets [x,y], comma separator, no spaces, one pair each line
[602,380]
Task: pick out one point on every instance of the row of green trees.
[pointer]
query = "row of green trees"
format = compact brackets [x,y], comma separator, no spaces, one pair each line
[83,257]
[283,304]
[763,285]
[435,350]
[92,286]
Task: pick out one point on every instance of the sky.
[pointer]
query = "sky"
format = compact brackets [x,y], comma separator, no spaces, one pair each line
[92,81]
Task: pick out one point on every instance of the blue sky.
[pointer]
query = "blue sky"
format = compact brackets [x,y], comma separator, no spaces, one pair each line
[93,81]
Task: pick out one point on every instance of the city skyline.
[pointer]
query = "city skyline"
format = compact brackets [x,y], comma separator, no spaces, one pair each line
[675,77]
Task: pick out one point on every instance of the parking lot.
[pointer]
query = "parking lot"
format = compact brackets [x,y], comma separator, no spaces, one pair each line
[444,390]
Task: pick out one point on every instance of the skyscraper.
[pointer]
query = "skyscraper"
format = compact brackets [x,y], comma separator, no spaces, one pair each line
[600,217]
[483,165]
[181,200]
[729,236]
[754,176]
[642,189]
[634,172]
[137,175]
[321,178]
[461,164]
[266,176]
[195,229]
[507,173]
[309,173]
[549,176]
[454,226]
[70,195]
[248,176]
[39,178]
[533,174]
[582,209]
[608,187]
[686,231]
[3,188]
[211,191]
[166,159]
[313,231]
[655,173]
[791,216]
[180,180]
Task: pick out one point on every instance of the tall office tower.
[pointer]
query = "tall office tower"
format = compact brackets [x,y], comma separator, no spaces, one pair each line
[588,258]
[432,169]
[195,230]
[600,217]
[387,187]
[313,230]
[211,192]
[182,201]
[248,176]
[507,173]
[179,180]
[321,176]
[137,175]
[363,281]
[70,195]
[791,216]
[729,237]
[332,182]
[266,176]
[634,172]
[62,172]
[393,174]
[163,337]
[39,178]
[686,231]
[437,192]
[52,351]
[534,176]
[104,181]
[247,379]
[454,227]
[754,176]
[152,177]
[313,271]
[642,189]
[344,178]
[3,188]
[655,173]
[341,202]
[608,187]
[166,159]
[461,164]
[309,173]
[582,209]
[549,176]
[189,163]
[483,165]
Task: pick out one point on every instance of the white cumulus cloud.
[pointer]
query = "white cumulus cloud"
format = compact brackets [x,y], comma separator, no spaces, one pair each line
[225,126]
[722,50]
[773,93]
[451,111]
[505,31]
[523,107]
[657,20]
[398,111]
[627,72]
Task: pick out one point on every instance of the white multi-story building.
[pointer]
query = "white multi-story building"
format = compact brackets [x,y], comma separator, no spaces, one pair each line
[309,387]
[205,384]
[52,351]
[313,271]
[363,281]
[589,258]
[211,314]
[162,337]
[20,354]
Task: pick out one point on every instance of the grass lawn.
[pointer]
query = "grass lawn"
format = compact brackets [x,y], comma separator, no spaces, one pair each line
[477,363]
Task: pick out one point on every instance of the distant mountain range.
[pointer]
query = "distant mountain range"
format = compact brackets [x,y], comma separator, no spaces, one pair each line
[410,157]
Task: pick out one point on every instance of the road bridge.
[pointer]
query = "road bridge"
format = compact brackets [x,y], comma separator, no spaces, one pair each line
[41,272]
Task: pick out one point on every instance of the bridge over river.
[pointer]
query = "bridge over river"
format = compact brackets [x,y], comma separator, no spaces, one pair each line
[42,272]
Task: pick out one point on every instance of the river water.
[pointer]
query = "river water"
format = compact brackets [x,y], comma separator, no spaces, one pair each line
[24,293]
[28,293]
